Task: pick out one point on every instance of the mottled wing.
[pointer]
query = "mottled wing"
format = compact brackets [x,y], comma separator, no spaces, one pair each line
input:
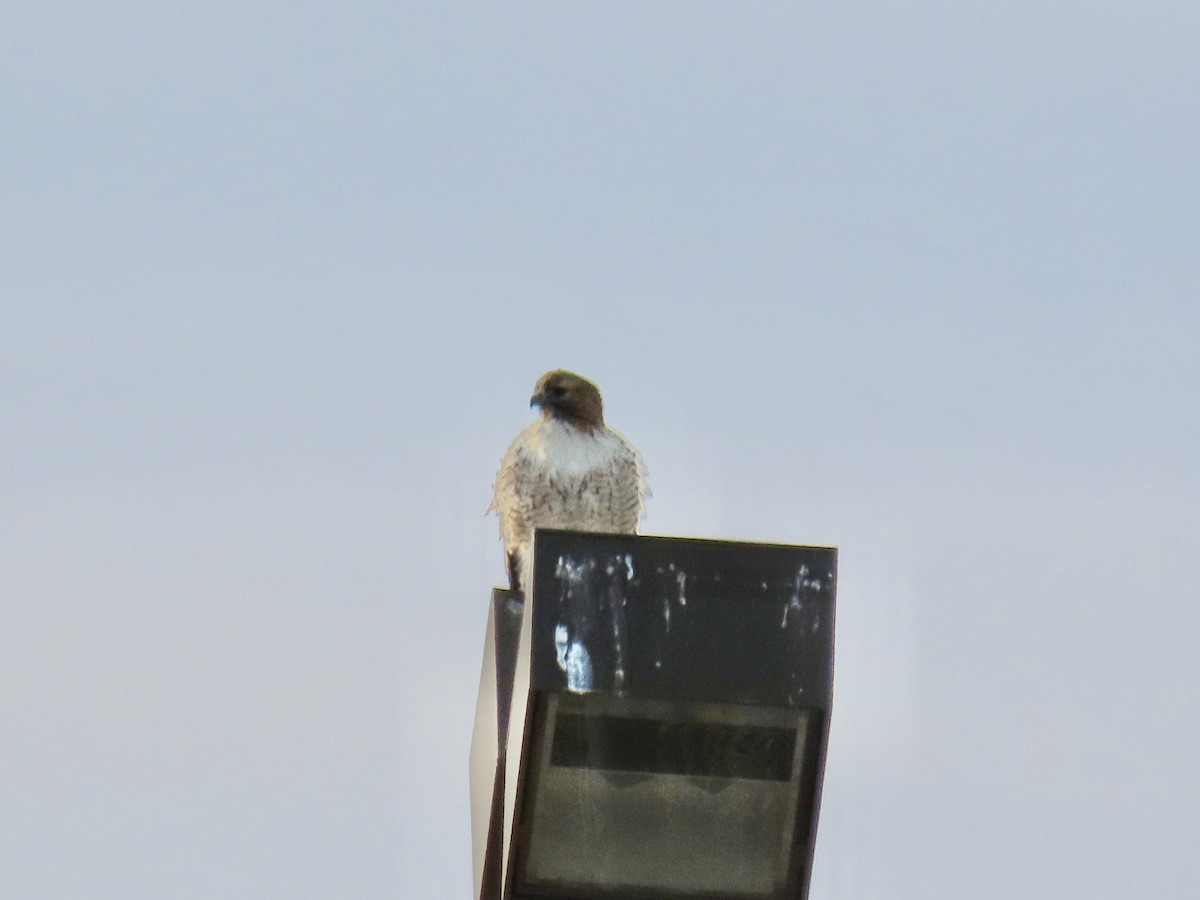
[614,496]
[513,503]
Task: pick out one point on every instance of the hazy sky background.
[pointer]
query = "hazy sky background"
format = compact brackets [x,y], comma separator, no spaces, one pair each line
[919,280]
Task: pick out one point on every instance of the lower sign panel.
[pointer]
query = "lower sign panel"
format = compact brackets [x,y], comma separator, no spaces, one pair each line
[633,797]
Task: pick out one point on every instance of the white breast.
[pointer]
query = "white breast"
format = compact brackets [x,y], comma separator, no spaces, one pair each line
[569,452]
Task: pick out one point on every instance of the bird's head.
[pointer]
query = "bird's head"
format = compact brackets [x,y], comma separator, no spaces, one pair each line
[569,397]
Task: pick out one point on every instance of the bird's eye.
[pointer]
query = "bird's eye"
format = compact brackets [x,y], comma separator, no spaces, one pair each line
[558,392]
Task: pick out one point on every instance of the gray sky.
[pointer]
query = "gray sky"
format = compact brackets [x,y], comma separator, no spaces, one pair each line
[916,280]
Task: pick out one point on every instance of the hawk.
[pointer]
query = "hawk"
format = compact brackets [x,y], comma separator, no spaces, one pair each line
[566,470]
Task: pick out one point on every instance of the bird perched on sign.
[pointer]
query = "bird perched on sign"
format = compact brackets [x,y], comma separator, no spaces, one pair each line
[566,470]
